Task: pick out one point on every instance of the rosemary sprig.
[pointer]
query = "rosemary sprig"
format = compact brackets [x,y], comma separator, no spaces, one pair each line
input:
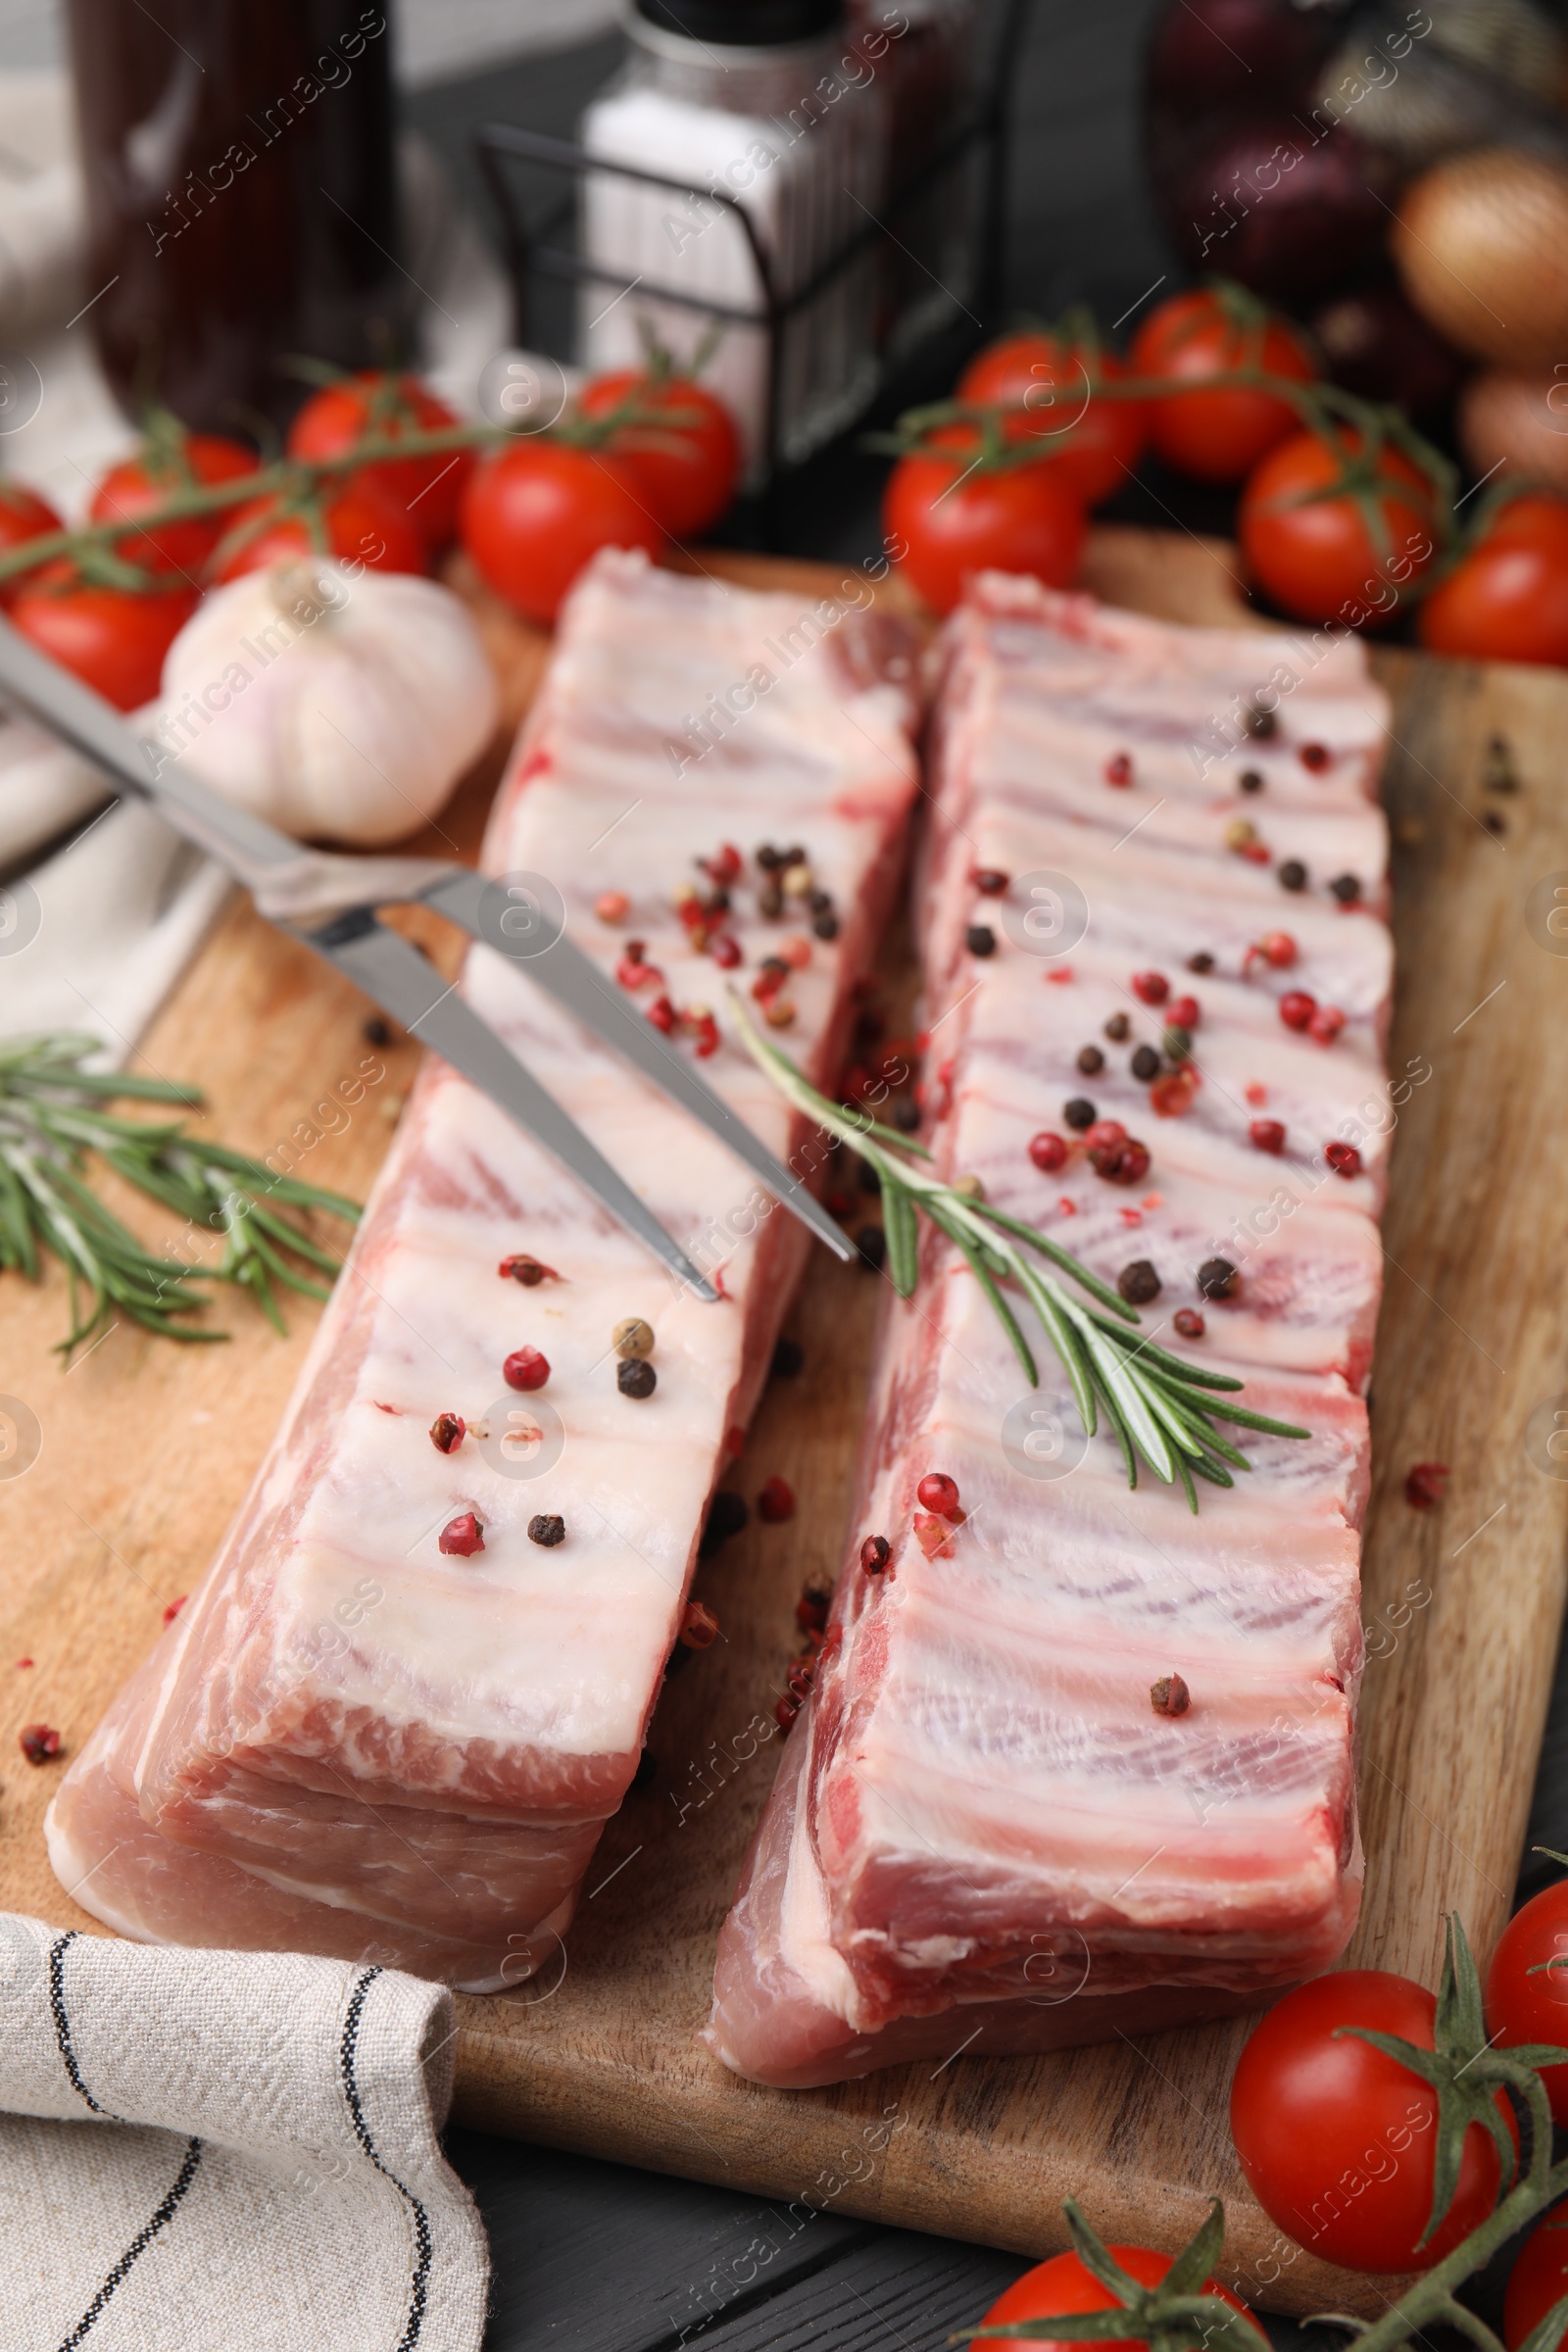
[52,1114]
[1159,1407]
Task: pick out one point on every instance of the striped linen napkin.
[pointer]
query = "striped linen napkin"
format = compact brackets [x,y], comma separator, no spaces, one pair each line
[221,2151]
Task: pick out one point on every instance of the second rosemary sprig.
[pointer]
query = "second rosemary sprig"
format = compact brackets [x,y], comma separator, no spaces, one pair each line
[1160,1408]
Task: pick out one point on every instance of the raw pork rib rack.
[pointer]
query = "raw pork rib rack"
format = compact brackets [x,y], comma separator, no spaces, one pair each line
[349,1742]
[983,1835]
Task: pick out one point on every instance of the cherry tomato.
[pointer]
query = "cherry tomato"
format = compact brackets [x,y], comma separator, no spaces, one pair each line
[1063,2285]
[23,516]
[1315,554]
[682,455]
[1219,436]
[535,512]
[953,522]
[160,471]
[362,523]
[1507,601]
[115,639]
[1538,2277]
[1526,2000]
[1335,2138]
[428,490]
[1092,444]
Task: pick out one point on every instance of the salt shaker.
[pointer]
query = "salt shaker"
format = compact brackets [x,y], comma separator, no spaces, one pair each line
[766,102]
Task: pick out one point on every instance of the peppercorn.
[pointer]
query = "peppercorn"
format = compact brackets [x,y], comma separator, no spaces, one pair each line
[1139,1282]
[1079,1112]
[1260,724]
[1091,1061]
[1314,756]
[991,882]
[1048,1152]
[825,925]
[788,1357]
[980,940]
[375,1031]
[1240,833]
[778,1012]
[1118,768]
[1268,1135]
[1203,961]
[1150,988]
[548,1529]
[907,1113]
[816,1599]
[1190,1323]
[875,1554]
[775,1502]
[636,1377]
[1291,874]
[767,857]
[39,1743]
[1344,1159]
[527,1270]
[1326,1023]
[462,1536]
[1117,1027]
[1296,1008]
[1493,820]
[970,1188]
[632,1337]
[1169,1695]
[727,1514]
[1346,888]
[698,1627]
[612,906]
[770,901]
[1145,1065]
[1217,1278]
[1426,1485]
[939,1494]
[447,1431]
[526,1368]
[1250,780]
[1177,1042]
[871,1243]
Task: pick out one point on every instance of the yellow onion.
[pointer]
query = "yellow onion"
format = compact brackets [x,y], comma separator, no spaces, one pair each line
[1482,245]
[1519,422]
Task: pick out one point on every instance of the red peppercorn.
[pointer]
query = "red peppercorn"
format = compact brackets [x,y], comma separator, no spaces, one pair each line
[875,1554]
[725,950]
[1123,1162]
[527,1270]
[1297,1008]
[933,1535]
[698,1627]
[1314,756]
[1276,948]
[1426,1485]
[170,1614]
[1326,1023]
[1344,1159]
[1268,1135]
[447,1431]
[1171,1097]
[526,1368]
[1185,1013]
[725,866]
[1103,1134]
[462,1536]
[39,1744]
[702,1026]
[776,1501]
[940,1494]
[811,1611]
[1150,988]
[1048,1152]
[1190,1323]
[1118,768]
[631,972]
[661,1012]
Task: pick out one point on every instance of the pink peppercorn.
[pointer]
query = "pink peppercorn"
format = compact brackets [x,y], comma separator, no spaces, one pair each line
[1344,1159]
[1268,1135]
[462,1536]
[1048,1152]
[526,1368]
[1297,1008]
[1150,988]
[940,1494]
[775,1502]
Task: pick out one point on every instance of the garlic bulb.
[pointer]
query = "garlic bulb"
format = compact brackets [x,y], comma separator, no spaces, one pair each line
[341,704]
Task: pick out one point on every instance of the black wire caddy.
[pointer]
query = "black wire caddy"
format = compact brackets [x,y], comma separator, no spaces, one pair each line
[914,307]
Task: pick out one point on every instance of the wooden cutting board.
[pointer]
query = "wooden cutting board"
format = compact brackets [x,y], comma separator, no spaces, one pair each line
[147,1449]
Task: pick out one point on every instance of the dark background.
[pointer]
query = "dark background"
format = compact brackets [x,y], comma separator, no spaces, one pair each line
[593,2256]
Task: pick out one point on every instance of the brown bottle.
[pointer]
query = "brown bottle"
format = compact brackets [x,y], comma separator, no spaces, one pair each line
[241,198]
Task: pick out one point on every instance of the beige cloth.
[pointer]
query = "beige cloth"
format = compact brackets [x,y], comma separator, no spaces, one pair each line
[227,2152]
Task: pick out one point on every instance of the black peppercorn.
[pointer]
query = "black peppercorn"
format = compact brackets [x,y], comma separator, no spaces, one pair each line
[1146,1065]
[377,1032]
[770,901]
[825,926]
[1493,819]
[547,1528]
[788,1357]
[907,1113]
[1203,961]
[1091,1061]
[871,1243]
[1250,780]
[1079,1112]
[1260,724]
[727,1514]
[1293,874]
[1117,1027]
[769,859]
[1346,888]
[635,1377]
[820,901]
[1139,1282]
[1217,1278]
[980,940]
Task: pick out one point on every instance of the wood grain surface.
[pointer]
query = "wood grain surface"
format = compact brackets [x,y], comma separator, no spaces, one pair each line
[147,1449]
